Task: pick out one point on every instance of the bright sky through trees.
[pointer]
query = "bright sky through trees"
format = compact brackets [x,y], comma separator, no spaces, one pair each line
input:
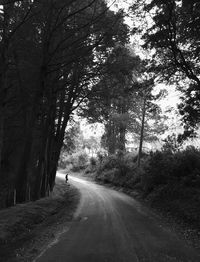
[168,102]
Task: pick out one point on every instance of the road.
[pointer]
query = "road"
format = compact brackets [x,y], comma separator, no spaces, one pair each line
[110,226]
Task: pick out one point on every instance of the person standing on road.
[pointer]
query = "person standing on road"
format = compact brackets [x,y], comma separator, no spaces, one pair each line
[66,178]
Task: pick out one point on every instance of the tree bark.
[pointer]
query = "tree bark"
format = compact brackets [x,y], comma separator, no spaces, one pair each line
[142,132]
[1,134]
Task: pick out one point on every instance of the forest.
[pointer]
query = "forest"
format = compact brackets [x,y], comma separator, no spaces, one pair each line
[62,59]
[52,52]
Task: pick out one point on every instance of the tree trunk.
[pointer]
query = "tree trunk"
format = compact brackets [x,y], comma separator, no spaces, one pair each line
[4,46]
[41,181]
[122,136]
[142,132]
[111,138]
[22,174]
[1,134]
[57,145]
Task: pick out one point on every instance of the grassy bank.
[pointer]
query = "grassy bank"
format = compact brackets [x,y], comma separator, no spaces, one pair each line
[26,228]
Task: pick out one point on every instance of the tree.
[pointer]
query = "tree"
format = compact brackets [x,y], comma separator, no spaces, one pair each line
[14,18]
[146,119]
[171,143]
[51,53]
[92,144]
[109,102]
[73,138]
[173,36]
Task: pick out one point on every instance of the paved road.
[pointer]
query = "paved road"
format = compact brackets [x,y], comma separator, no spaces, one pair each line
[110,226]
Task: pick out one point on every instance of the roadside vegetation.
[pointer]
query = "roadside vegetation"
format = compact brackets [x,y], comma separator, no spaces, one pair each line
[168,179]
[26,229]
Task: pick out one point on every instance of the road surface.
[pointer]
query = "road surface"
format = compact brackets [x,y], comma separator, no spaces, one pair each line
[110,226]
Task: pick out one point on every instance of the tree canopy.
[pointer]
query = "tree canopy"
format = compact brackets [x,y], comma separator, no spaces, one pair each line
[51,54]
[171,32]
[110,102]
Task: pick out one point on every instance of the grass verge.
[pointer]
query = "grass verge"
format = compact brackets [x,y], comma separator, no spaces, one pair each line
[25,229]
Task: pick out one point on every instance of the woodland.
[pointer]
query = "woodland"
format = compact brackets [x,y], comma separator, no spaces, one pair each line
[64,58]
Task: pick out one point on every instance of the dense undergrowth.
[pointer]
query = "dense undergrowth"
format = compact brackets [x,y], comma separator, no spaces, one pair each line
[166,179]
[75,162]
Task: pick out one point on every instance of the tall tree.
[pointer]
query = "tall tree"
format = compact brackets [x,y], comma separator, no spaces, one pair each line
[50,54]
[146,120]
[172,34]
[109,103]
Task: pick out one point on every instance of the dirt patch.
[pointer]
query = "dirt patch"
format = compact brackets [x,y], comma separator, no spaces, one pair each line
[26,229]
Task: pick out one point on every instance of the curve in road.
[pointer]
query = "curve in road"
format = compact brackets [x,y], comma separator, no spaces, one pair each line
[110,226]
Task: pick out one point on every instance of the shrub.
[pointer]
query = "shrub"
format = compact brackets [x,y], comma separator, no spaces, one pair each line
[171,143]
[108,163]
[183,202]
[93,161]
[187,165]
[107,176]
[82,160]
[119,169]
[158,170]
[78,161]
[165,167]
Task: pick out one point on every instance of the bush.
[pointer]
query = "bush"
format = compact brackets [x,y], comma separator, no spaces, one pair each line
[77,161]
[108,176]
[187,165]
[164,167]
[158,170]
[108,163]
[93,161]
[119,169]
[183,202]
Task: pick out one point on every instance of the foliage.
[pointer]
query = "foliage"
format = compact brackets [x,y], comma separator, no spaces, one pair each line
[166,168]
[92,166]
[93,161]
[144,105]
[51,55]
[147,120]
[171,143]
[187,166]
[172,36]
[168,179]
[76,161]
[71,139]
[110,102]
[180,201]
[119,169]
[123,101]
[157,169]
